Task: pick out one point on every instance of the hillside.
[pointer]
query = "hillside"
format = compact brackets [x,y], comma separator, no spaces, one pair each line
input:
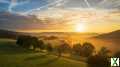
[111,35]
[14,56]
[10,34]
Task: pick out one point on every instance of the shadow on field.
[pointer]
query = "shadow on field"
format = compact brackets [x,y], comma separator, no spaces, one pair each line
[49,61]
[35,57]
[10,48]
[44,63]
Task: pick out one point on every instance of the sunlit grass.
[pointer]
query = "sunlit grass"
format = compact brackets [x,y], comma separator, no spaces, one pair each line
[13,56]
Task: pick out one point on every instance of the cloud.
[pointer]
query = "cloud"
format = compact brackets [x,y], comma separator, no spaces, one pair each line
[51,3]
[4,1]
[14,3]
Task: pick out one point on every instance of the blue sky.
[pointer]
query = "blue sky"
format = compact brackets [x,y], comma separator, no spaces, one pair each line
[26,5]
[65,15]
[21,5]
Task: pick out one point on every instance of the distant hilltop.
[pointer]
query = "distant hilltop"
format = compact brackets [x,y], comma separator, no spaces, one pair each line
[10,34]
[114,34]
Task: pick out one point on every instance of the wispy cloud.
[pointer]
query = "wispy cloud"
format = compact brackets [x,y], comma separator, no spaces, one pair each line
[14,3]
[49,5]
[4,1]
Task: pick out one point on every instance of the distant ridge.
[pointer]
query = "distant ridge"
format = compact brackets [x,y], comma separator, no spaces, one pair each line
[111,35]
[10,34]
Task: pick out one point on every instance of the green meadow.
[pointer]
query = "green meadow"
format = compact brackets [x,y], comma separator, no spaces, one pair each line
[13,56]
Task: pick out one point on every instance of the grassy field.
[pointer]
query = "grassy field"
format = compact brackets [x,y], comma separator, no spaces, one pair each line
[14,56]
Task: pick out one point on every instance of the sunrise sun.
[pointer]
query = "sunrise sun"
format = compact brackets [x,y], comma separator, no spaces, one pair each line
[80,27]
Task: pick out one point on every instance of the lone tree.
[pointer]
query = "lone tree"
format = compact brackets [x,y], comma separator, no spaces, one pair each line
[41,44]
[63,48]
[36,43]
[27,41]
[104,52]
[24,41]
[87,49]
[98,61]
[49,47]
[77,49]
[101,59]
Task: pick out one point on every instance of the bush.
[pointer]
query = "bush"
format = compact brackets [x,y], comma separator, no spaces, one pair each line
[27,41]
[98,61]
[63,48]
[24,41]
[104,52]
[49,47]
[87,49]
[77,49]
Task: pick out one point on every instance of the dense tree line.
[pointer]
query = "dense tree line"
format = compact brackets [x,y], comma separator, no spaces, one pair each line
[99,59]
[28,41]
[85,50]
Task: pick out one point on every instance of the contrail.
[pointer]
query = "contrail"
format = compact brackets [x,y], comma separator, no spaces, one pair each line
[109,4]
[15,3]
[4,1]
[101,4]
[115,4]
[50,4]
[12,4]
[87,3]
[61,3]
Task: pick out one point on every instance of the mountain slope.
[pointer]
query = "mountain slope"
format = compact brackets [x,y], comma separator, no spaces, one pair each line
[113,35]
[10,34]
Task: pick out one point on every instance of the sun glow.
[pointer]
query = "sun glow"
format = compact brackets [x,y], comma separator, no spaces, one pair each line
[80,27]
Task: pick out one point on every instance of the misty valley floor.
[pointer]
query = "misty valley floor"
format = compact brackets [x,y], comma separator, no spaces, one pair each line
[13,56]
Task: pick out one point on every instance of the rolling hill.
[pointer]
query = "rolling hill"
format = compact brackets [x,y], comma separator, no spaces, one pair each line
[111,35]
[10,34]
[14,56]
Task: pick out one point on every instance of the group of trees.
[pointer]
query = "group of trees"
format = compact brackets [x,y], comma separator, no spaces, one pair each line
[29,41]
[99,59]
[85,50]
[64,47]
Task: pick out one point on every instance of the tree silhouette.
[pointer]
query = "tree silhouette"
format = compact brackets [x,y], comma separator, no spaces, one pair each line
[87,49]
[63,48]
[101,59]
[104,52]
[49,47]
[34,42]
[41,44]
[24,41]
[77,49]
[27,41]
[98,61]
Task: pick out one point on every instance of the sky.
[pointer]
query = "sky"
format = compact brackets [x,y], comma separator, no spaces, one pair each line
[61,15]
